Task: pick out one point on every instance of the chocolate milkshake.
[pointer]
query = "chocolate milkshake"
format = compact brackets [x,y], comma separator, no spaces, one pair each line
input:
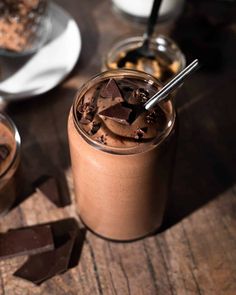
[121,159]
[9,160]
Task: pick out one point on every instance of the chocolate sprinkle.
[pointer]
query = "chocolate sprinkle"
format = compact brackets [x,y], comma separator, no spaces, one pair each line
[111,89]
[140,132]
[141,94]
[4,152]
[102,139]
[151,118]
[86,113]
[95,127]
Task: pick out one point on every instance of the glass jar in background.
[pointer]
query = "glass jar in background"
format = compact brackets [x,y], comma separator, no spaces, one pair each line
[169,59]
[24,26]
[9,162]
[140,9]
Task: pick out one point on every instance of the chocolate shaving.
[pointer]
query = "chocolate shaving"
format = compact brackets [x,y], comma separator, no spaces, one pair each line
[86,112]
[151,118]
[118,112]
[26,241]
[141,94]
[95,127]
[4,152]
[101,139]
[139,133]
[111,89]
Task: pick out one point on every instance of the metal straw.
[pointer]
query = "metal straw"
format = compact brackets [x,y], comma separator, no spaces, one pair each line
[172,85]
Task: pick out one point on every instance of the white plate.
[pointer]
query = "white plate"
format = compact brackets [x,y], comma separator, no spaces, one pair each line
[51,64]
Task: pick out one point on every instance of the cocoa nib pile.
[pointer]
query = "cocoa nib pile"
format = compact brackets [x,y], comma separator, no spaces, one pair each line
[19,20]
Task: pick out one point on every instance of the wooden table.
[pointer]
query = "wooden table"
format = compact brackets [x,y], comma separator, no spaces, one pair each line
[195,253]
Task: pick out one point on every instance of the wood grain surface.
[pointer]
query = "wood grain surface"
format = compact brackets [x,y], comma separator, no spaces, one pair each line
[195,251]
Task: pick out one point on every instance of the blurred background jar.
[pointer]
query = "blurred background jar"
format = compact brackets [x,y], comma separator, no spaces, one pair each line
[140,9]
[9,162]
[167,62]
[24,26]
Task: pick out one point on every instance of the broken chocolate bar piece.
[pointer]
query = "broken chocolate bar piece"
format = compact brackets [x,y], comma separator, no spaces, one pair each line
[95,127]
[111,89]
[49,188]
[80,235]
[4,152]
[118,112]
[26,241]
[68,245]
[41,267]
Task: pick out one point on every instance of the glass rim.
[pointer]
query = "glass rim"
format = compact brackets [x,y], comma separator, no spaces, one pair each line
[119,150]
[7,121]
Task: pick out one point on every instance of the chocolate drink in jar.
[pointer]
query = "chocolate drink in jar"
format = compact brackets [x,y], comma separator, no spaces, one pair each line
[9,162]
[121,165]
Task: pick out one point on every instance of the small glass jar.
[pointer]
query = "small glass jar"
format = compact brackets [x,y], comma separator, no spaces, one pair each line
[24,26]
[169,59]
[9,162]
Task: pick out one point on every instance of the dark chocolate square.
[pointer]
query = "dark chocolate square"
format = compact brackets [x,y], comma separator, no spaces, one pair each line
[26,241]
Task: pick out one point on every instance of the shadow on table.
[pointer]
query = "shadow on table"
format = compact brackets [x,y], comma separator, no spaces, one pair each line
[205,161]
[201,31]
[42,124]
[83,14]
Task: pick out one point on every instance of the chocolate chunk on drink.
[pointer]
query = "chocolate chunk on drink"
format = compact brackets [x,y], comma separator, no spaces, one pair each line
[141,95]
[95,127]
[118,112]
[111,89]
[86,112]
[26,241]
